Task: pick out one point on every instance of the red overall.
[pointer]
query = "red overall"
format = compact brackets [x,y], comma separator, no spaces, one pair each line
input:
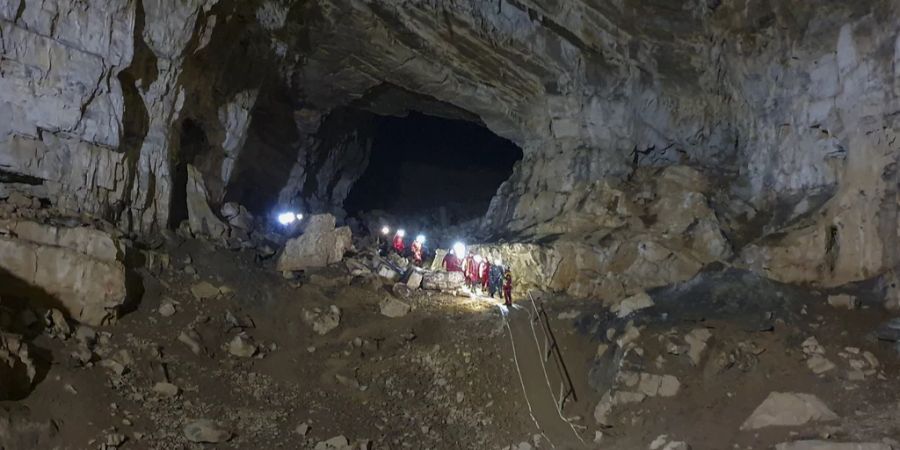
[507,288]
[398,244]
[484,269]
[451,263]
[471,270]
[416,249]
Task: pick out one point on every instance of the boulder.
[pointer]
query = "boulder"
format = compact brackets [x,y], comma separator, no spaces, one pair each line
[696,341]
[206,431]
[829,445]
[237,216]
[843,301]
[415,280]
[201,219]
[205,290]
[788,409]
[391,307]
[356,268]
[401,290]
[242,346]
[438,261]
[323,321]
[631,304]
[819,364]
[78,269]
[335,443]
[443,281]
[166,390]
[319,245]
[386,272]
[17,370]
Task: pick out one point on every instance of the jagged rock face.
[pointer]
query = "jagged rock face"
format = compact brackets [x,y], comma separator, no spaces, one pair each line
[653,231]
[787,110]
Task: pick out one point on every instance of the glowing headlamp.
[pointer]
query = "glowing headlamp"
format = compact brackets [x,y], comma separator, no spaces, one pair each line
[286,218]
[459,249]
[420,238]
[385,230]
[401,232]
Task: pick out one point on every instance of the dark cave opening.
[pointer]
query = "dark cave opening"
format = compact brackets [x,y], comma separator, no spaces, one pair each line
[420,164]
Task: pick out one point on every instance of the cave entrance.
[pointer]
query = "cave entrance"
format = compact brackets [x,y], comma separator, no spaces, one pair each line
[423,165]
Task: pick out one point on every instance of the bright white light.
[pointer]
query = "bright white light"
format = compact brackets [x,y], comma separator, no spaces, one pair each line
[299,216]
[286,218]
[420,238]
[401,232]
[385,230]
[459,249]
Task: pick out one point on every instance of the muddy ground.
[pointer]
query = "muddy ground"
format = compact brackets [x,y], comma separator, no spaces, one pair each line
[446,376]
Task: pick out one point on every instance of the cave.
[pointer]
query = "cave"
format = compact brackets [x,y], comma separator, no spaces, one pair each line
[420,165]
[629,224]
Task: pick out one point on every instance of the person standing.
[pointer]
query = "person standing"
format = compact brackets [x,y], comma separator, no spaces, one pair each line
[495,279]
[399,246]
[471,271]
[484,274]
[416,249]
[507,287]
[451,262]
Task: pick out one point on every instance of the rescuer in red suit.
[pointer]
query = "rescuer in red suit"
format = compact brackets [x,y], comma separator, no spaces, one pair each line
[416,249]
[399,247]
[484,270]
[507,287]
[451,262]
[471,271]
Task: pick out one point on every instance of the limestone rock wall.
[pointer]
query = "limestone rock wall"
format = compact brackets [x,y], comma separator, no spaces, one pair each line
[786,111]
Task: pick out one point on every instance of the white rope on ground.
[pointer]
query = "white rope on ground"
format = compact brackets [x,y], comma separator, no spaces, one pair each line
[546,375]
[522,381]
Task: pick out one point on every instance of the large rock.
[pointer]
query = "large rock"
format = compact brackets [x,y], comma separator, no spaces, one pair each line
[391,307]
[206,431]
[237,216]
[438,262]
[323,321]
[202,220]
[17,369]
[788,409]
[78,269]
[631,304]
[443,281]
[319,245]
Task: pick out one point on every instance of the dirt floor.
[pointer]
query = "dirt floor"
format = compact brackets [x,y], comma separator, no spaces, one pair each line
[450,373]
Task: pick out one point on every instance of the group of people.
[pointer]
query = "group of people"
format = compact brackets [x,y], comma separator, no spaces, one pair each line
[494,278]
[481,273]
[416,249]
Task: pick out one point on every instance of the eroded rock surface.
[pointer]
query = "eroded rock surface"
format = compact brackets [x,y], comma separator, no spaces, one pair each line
[76,269]
[320,244]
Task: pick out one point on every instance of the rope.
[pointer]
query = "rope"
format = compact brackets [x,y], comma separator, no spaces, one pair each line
[546,375]
[522,381]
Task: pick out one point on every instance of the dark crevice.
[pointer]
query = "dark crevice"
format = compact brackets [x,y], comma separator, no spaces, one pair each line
[832,248]
[7,176]
[135,117]
[20,10]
